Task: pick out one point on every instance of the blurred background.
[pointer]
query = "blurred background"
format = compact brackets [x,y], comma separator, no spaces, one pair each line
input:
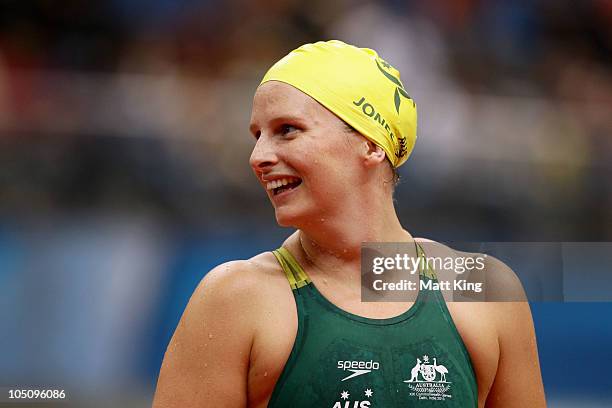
[124,171]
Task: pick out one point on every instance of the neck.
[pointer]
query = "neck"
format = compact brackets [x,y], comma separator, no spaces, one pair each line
[334,241]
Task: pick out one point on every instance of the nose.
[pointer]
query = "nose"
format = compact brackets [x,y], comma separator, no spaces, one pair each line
[264,156]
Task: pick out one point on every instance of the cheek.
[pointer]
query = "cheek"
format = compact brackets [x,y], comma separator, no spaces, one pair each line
[343,160]
[331,173]
[337,148]
[329,161]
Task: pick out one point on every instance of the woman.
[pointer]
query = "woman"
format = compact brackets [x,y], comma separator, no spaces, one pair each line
[288,328]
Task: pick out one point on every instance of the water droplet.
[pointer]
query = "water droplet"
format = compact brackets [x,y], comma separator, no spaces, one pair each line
[210,336]
[265,374]
[324,281]
[205,365]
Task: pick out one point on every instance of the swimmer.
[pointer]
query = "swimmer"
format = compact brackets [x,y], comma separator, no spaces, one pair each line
[331,123]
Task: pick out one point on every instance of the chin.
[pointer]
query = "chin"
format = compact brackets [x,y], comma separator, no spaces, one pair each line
[286,217]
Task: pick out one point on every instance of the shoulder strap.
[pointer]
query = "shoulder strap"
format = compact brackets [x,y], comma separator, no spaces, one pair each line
[298,278]
[293,271]
[425,269]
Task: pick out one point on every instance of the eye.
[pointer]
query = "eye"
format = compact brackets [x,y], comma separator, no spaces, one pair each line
[287,128]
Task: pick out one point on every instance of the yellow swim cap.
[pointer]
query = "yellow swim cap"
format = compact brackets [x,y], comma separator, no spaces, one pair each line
[359,87]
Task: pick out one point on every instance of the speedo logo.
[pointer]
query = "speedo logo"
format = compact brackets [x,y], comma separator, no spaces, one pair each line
[357,367]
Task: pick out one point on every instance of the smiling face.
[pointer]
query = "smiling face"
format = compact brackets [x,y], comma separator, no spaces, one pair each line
[304,156]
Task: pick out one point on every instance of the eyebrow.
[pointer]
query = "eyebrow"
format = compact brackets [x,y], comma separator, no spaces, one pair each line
[278,119]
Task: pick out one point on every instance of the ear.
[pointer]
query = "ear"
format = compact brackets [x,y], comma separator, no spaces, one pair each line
[374,154]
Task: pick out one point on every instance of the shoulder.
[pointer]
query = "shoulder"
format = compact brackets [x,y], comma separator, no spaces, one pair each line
[238,275]
[504,302]
[500,282]
[237,282]
[498,332]
[503,285]
[215,335]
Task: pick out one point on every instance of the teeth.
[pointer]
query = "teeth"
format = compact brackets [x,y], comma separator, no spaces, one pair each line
[271,185]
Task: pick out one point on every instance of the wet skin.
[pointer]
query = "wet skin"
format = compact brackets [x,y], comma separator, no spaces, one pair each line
[239,327]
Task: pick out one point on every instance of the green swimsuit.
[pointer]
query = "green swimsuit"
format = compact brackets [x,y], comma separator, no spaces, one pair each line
[341,360]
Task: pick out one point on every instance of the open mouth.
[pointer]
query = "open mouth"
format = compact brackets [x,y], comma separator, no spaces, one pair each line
[281,185]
